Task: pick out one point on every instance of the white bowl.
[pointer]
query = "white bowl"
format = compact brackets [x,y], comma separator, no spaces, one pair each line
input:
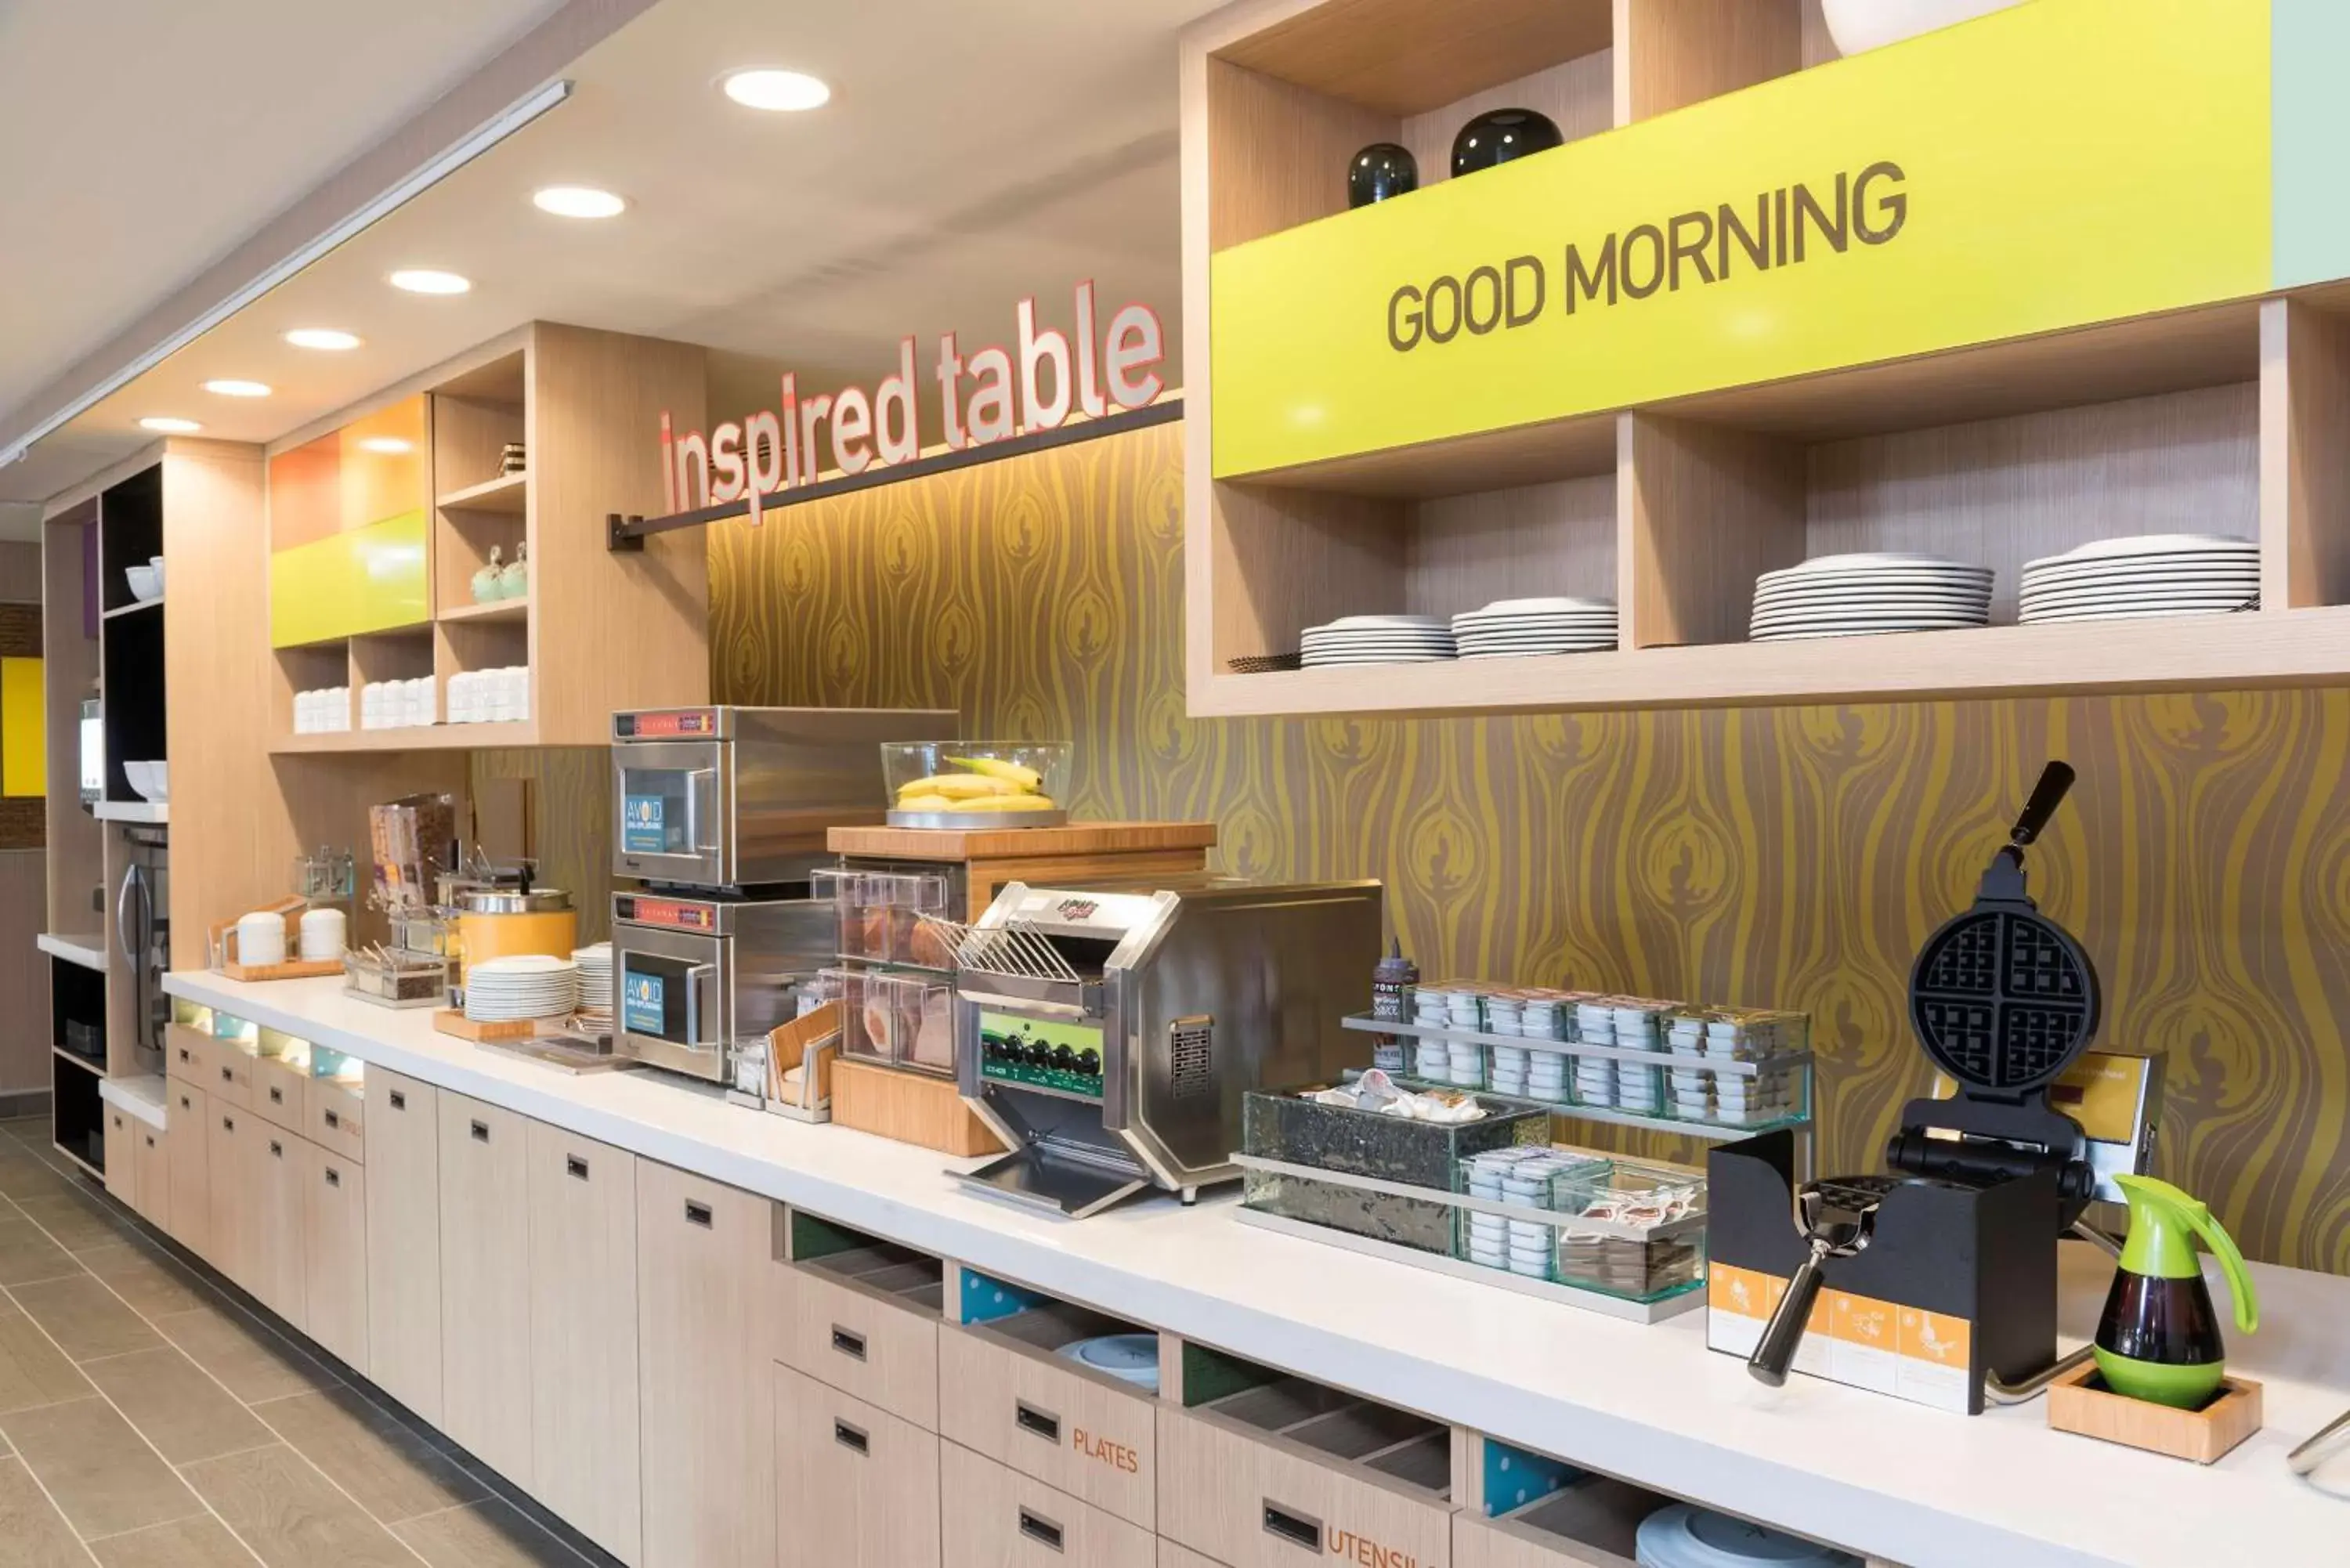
[151,780]
[146,583]
[1861,24]
[157,563]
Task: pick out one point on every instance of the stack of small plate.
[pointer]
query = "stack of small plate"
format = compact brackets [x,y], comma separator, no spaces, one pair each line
[1515,628]
[2154,576]
[1379,639]
[1860,596]
[531,985]
[595,985]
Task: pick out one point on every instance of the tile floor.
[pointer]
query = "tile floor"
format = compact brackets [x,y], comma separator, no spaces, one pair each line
[151,1418]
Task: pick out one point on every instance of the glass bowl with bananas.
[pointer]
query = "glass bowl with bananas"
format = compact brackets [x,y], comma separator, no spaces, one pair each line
[976,784]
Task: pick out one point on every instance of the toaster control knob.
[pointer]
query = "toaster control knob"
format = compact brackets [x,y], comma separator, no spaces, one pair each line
[1065,1058]
[1089,1063]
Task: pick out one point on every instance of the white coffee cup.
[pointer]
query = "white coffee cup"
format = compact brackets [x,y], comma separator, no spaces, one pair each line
[260,939]
[322,935]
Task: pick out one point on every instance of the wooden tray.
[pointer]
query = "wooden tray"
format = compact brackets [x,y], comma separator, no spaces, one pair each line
[994,843]
[293,968]
[2080,1402]
[909,1107]
[448,1021]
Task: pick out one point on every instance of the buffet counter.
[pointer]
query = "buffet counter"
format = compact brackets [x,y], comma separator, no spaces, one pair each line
[1651,1404]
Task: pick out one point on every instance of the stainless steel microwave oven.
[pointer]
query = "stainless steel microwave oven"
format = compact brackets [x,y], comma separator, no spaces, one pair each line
[693,977]
[742,797]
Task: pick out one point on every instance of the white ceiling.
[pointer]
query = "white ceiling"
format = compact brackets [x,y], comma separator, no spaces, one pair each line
[970,154]
[141,139]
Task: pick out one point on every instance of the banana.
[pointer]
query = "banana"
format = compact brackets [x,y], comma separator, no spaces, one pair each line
[1001,802]
[1028,779]
[958,786]
[925,802]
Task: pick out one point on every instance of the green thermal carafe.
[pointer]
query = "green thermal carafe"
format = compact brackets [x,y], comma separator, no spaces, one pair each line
[2159,1337]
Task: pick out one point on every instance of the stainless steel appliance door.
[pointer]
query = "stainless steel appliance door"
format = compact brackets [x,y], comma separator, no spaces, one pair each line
[673,812]
[671,998]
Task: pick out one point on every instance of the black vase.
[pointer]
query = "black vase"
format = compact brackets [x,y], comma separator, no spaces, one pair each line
[1378,171]
[1499,135]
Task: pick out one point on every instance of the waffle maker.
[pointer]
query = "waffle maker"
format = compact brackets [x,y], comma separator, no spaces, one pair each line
[1981,1185]
[2003,999]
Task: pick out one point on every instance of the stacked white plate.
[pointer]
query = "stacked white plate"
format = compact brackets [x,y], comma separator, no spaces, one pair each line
[1515,628]
[1377,640]
[2152,576]
[1864,594]
[499,990]
[595,984]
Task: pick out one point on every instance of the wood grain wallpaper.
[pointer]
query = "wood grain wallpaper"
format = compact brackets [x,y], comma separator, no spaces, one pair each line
[1792,857]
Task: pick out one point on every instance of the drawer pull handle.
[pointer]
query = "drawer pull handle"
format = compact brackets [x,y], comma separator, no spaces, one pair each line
[186,1054]
[1037,1528]
[575,1168]
[697,1213]
[333,1177]
[335,1120]
[398,1100]
[150,1140]
[228,1123]
[276,1149]
[228,1075]
[276,1095]
[1037,1423]
[851,1438]
[848,1343]
[481,1132]
[186,1103]
[1294,1528]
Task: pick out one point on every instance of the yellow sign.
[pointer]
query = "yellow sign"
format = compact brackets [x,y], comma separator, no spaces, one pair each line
[24,729]
[2061,163]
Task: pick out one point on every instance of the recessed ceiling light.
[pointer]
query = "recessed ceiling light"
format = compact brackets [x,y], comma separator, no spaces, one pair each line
[164,424]
[325,338]
[234,388]
[391,446]
[425,280]
[578,201]
[773,89]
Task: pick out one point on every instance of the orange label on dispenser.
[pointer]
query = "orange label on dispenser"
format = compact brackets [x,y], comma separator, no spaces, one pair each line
[1924,1357]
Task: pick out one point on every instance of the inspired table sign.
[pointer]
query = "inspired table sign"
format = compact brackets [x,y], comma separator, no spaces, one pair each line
[996,393]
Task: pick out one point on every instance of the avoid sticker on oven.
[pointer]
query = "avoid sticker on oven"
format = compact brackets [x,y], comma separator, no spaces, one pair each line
[643,1008]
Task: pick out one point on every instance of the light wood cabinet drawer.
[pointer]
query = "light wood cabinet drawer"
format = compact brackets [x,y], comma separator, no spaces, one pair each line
[995,1517]
[276,1244]
[403,1241]
[227,1073]
[280,1093]
[856,1487]
[587,1435]
[706,1282]
[151,1155]
[1260,1476]
[122,1163]
[485,1339]
[865,1320]
[186,1116]
[1004,1391]
[333,1115]
[334,1251]
[187,1056]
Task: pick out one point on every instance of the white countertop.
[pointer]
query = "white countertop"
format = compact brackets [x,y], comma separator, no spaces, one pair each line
[87,951]
[1651,1404]
[142,1096]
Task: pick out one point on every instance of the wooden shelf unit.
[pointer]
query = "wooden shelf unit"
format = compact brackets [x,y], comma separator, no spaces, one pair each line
[2227,419]
[597,630]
